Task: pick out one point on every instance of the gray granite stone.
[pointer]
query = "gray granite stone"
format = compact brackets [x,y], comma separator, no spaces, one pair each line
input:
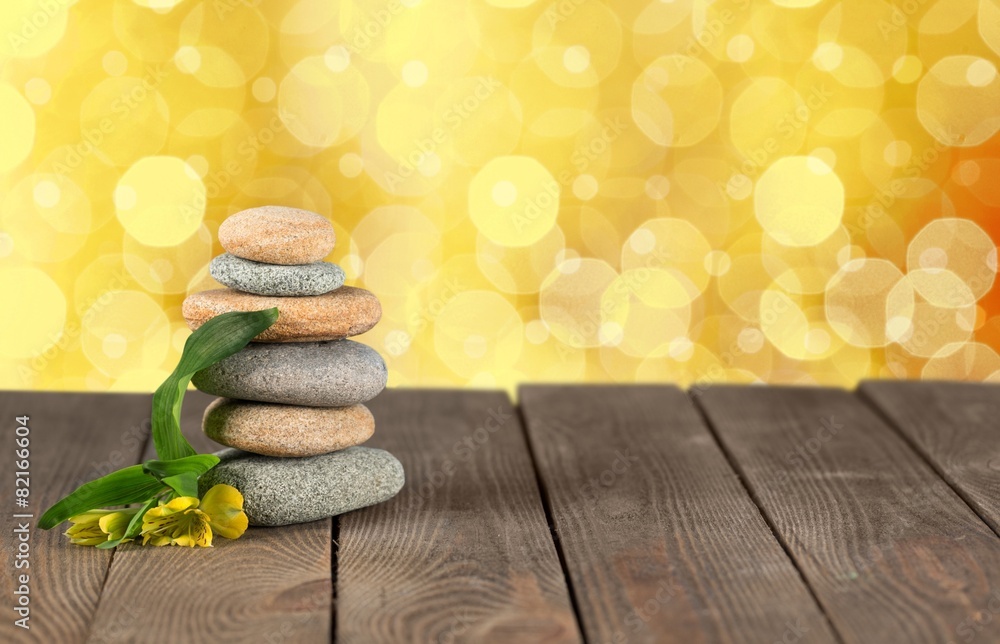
[281,491]
[317,374]
[294,280]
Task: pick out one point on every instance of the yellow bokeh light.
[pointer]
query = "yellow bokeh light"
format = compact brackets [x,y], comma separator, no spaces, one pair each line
[47,217]
[158,5]
[478,331]
[799,201]
[962,247]
[907,69]
[30,290]
[17,128]
[123,118]
[989,23]
[787,191]
[167,269]
[321,107]
[763,122]
[125,330]
[31,28]
[958,100]
[559,51]
[160,201]
[572,303]
[514,200]
[677,101]
[519,269]
[869,302]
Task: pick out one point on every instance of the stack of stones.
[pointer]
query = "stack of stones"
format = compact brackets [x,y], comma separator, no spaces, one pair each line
[292,412]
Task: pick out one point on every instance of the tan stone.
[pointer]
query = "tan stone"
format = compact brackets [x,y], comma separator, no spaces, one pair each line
[286,430]
[278,235]
[338,314]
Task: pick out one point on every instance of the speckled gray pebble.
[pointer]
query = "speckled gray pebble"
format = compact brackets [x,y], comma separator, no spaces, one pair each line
[317,374]
[281,491]
[276,279]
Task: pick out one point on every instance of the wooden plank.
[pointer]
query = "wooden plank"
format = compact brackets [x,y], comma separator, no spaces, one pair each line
[74,438]
[463,553]
[271,585]
[660,538]
[955,426]
[891,552]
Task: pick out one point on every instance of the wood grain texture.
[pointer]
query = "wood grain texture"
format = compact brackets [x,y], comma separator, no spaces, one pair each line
[956,427]
[463,553]
[271,585]
[661,540]
[74,439]
[891,552]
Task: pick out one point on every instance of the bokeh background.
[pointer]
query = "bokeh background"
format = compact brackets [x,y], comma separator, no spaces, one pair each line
[786,191]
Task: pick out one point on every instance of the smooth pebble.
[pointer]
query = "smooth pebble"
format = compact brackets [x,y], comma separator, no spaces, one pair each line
[286,430]
[278,235]
[282,491]
[342,313]
[316,374]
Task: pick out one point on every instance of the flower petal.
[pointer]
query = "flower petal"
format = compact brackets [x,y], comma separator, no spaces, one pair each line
[224,505]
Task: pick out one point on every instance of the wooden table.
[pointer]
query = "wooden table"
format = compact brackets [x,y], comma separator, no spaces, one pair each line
[597,514]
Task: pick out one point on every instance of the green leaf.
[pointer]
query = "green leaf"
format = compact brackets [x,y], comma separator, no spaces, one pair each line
[134,526]
[129,485]
[182,474]
[184,484]
[197,464]
[219,338]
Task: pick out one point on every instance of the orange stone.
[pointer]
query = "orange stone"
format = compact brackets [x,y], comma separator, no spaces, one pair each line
[338,314]
[286,430]
[278,235]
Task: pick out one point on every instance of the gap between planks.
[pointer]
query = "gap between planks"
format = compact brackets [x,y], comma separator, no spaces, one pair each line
[547,509]
[741,475]
[892,553]
[674,529]
[871,391]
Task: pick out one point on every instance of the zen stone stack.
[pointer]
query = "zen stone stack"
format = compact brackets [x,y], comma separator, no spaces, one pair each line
[292,411]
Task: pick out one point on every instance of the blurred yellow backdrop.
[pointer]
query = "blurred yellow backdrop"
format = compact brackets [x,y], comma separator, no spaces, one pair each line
[691,191]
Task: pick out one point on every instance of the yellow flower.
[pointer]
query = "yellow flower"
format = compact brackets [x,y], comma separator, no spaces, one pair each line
[116,523]
[97,526]
[224,504]
[86,529]
[186,521]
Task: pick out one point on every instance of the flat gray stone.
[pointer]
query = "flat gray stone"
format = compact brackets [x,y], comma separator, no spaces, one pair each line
[317,374]
[281,491]
[293,280]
